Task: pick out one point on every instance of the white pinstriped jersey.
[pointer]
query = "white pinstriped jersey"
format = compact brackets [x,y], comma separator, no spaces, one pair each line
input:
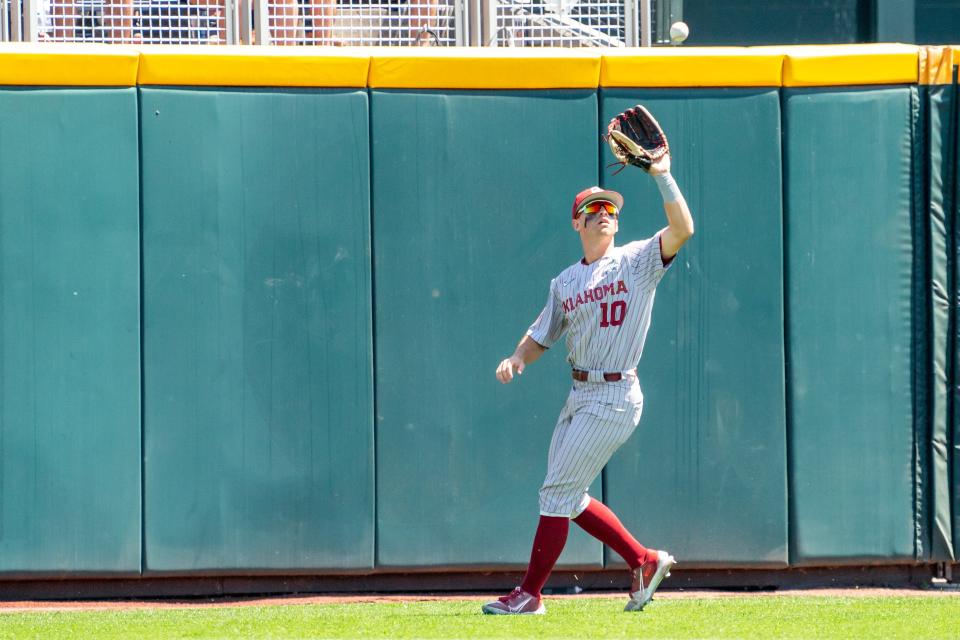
[604,307]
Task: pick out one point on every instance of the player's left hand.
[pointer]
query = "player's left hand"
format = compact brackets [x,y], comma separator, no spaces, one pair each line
[635,137]
[507,368]
[660,166]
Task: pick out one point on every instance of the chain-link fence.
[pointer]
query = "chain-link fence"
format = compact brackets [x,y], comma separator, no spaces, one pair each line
[361,22]
[558,23]
[525,23]
[133,21]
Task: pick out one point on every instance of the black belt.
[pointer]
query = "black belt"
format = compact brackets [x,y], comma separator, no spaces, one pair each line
[582,376]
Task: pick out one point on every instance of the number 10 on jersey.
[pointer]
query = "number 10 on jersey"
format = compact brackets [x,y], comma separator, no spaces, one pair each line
[613,314]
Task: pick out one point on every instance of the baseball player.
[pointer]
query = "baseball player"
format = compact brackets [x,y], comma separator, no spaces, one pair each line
[602,305]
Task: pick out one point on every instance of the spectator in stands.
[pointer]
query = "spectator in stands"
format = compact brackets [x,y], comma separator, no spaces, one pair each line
[288,28]
[321,21]
[117,21]
[162,22]
[423,22]
[211,16]
[183,22]
[393,22]
[86,21]
[283,21]
[65,14]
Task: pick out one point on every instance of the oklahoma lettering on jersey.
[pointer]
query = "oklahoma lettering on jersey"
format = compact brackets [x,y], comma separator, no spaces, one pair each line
[594,295]
[603,308]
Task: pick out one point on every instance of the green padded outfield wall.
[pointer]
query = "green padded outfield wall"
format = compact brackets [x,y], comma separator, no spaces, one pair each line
[324,281]
[711,442]
[471,221]
[70,340]
[258,401]
[849,278]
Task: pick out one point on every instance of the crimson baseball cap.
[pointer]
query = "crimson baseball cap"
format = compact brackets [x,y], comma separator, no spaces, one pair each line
[596,193]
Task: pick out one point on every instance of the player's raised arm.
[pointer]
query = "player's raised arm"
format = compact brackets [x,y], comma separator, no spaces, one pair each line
[526,352]
[679,221]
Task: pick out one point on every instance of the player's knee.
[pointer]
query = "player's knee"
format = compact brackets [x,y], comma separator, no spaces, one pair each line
[554,501]
[581,506]
[551,504]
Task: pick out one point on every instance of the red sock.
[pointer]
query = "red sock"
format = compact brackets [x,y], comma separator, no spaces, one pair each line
[603,524]
[547,545]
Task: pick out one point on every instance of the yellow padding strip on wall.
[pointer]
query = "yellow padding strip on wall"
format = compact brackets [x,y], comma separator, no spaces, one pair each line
[487,68]
[691,67]
[50,64]
[247,66]
[811,66]
[67,65]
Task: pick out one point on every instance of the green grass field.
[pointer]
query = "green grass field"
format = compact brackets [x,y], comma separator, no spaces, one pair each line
[583,618]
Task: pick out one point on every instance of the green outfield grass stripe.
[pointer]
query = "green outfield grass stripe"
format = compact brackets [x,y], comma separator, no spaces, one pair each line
[585,618]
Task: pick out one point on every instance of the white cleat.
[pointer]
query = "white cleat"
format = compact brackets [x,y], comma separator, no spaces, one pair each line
[517,602]
[646,580]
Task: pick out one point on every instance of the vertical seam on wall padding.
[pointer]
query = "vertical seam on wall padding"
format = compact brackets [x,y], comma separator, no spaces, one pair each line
[373,328]
[785,269]
[2,380]
[922,325]
[949,202]
[953,192]
[2,385]
[604,551]
[939,539]
[140,323]
[918,467]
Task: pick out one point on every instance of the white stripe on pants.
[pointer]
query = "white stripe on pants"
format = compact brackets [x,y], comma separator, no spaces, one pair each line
[596,420]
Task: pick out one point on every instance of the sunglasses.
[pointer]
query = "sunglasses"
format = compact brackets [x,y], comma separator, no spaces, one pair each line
[597,206]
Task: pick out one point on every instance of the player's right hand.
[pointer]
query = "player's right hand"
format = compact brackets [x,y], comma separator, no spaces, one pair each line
[507,368]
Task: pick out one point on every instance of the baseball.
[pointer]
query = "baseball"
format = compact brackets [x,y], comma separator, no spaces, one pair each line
[679,32]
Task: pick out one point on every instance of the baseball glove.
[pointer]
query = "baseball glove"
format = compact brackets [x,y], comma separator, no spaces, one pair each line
[635,137]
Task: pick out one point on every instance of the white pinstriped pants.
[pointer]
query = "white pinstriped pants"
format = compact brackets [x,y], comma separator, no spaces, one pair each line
[596,420]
